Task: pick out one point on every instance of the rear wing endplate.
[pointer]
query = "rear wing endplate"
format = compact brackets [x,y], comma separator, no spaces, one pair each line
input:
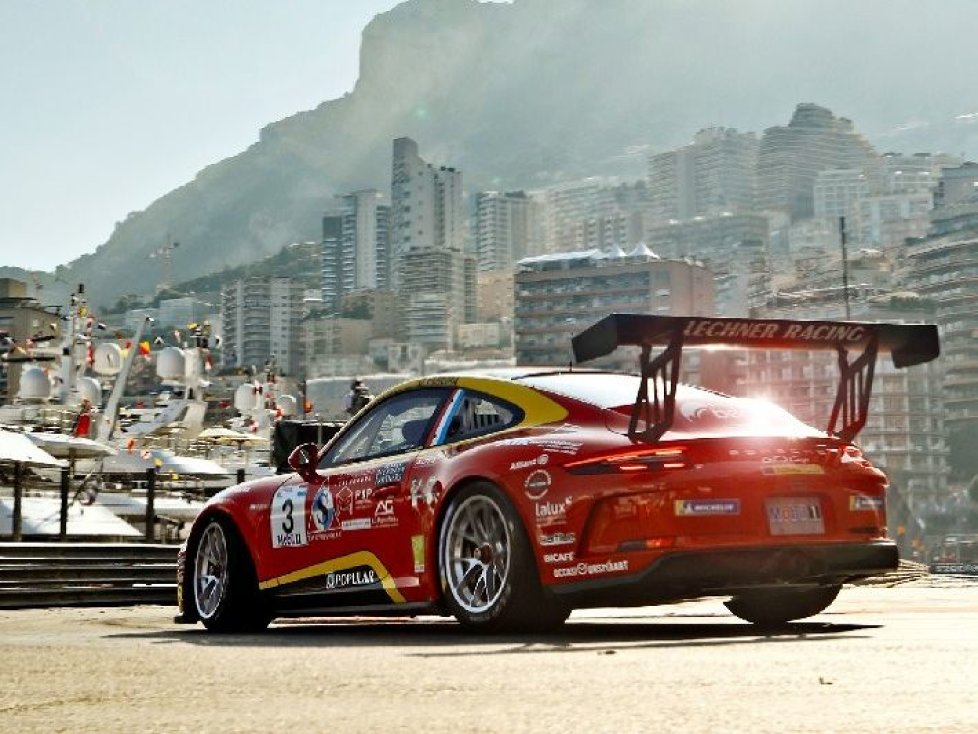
[908,345]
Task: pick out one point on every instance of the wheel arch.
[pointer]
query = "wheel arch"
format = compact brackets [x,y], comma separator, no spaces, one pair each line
[458,486]
[200,523]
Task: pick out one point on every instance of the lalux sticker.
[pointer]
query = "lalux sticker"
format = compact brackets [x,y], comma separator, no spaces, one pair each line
[287,518]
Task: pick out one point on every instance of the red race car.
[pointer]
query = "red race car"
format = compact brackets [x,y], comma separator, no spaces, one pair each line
[509,499]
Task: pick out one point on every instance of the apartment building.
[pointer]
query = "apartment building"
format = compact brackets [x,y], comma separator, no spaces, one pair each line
[790,158]
[559,295]
[355,246]
[261,319]
[715,173]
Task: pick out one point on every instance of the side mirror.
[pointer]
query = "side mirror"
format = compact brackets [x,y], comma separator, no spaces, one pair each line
[303,460]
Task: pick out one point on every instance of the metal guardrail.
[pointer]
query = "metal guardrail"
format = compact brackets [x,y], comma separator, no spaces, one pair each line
[37,575]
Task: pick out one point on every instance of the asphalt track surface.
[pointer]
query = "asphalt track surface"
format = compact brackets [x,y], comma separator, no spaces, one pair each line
[899,659]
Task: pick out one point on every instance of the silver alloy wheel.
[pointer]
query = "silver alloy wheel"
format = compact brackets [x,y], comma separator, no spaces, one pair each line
[211,571]
[476,554]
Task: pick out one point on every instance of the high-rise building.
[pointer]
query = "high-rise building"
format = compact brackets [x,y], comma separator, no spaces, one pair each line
[427,241]
[432,297]
[592,213]
[427,209]
[713,174]
[356,245]
[261,320]
[507,229]
[559,295]
[957,186]
[838,191]
[943,266]
[791,157]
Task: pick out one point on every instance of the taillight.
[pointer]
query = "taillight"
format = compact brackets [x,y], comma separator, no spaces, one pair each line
[624,462]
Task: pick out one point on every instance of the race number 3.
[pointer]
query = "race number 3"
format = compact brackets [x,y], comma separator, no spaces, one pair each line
[287,519]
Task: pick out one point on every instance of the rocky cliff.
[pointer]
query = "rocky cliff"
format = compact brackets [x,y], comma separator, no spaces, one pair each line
[527,93]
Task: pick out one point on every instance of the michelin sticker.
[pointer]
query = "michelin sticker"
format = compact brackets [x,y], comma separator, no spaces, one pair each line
[288,517]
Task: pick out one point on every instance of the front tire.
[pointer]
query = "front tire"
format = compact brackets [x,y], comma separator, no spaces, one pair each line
[224,585]
[489,578]
[774,608]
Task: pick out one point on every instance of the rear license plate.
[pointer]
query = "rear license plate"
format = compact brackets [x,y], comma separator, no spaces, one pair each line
[795,516]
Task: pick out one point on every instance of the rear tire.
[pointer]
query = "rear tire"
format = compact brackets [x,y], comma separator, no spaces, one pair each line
[489,578]
[773,608]
[224,584]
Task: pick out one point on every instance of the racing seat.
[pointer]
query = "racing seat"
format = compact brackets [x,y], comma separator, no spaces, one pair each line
[413,432]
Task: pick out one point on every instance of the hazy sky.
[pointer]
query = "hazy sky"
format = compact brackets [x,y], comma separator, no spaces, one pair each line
[106,105]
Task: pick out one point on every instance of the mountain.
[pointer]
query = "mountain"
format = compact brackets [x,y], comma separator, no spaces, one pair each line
[531,92]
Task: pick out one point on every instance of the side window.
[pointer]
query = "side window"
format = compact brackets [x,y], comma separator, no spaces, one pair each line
[476,414]
[396,425]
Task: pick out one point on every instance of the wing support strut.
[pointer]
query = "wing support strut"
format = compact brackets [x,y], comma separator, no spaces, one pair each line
[656,414]
[855,388]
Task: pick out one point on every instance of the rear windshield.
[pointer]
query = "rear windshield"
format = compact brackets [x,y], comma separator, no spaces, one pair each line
[697,411]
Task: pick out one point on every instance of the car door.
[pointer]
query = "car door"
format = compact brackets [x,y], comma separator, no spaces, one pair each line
[357,531]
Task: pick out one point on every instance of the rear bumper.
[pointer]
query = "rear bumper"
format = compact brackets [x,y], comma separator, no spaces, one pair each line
[726,572]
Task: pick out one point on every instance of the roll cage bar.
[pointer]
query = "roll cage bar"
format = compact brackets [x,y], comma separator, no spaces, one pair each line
[908,344]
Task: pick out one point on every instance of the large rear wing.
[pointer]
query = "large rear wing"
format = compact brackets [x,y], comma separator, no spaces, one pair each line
[908,344]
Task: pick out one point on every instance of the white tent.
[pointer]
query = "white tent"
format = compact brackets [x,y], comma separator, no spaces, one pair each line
[65,446]
[17,448]
[42,516]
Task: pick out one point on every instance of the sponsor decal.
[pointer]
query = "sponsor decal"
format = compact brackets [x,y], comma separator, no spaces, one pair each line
[424,492]
[819,332]
[347,579]
[551,513]
[390,473]
[384,513]
[437,382]
[417,550]
[323,512]
[590,569]
[359,523]
[565,557]
[537,484]
[693,410]
[428,458]
[866,503]
[558,539]
[343,501]
[699,508]
[786,469]
[287,517]
[530,463]
[551,445]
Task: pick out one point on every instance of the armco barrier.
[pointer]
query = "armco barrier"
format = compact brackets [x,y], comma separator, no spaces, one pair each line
[36,575]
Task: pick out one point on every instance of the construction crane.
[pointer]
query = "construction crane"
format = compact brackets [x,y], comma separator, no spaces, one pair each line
[164,253]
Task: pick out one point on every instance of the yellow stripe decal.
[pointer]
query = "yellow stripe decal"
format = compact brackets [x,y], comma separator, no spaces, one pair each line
[360,558]
[538,408]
